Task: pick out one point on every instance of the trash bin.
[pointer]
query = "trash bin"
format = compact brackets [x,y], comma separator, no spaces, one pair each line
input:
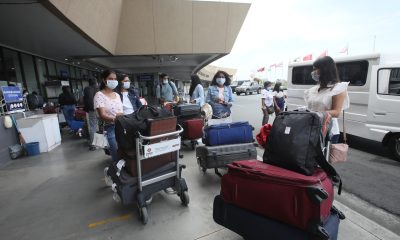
[32,148]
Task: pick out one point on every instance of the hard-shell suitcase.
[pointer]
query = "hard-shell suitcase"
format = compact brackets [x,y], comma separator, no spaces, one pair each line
[193,129]
[252,226]
[290,197]
[219,156]
[186,109]
[228,133]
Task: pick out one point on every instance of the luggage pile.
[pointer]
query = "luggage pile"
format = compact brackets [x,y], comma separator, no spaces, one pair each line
[189,117]
[225,143]
[148,145]
[290,194]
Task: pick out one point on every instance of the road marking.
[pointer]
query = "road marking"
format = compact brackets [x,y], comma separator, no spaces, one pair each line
[109,220]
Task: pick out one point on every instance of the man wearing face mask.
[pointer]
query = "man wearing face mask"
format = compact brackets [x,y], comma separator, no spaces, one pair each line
[130,100]
[166,91]
[88,96]
[220,95]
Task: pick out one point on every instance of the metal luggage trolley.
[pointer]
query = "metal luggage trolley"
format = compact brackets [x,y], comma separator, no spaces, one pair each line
[145,148]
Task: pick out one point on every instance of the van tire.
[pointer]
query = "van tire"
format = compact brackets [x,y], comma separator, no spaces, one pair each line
[394,146]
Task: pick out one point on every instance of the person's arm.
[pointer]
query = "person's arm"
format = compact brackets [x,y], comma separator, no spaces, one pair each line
[101,111]
[337,104]
[230,97]
[208,98]
[174,89]
[158,91]
[263,99]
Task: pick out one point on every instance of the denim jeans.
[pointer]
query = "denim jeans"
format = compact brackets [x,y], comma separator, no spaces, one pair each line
[92,125]
[265,117]
[112,142]
[68,111]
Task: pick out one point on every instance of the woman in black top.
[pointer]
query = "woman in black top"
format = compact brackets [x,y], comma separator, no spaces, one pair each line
[67,103]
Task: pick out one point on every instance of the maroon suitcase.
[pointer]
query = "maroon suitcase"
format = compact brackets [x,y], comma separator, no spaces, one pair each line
[290,197]
[193,129]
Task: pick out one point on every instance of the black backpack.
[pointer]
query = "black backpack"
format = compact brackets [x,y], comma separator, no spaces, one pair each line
[128,126]
[296,142]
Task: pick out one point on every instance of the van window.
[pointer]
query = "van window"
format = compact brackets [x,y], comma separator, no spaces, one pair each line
[353,72]
[389,81]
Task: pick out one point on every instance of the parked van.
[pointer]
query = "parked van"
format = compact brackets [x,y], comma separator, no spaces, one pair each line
[374,92]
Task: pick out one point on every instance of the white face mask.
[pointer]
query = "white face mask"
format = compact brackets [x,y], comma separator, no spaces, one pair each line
[165,81]
[127,85]
[112,84]
[315,76]
[220,81]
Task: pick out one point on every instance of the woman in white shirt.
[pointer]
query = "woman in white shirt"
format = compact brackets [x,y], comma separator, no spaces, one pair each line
[130,101]
[279,98]
[267,102]
[329,94]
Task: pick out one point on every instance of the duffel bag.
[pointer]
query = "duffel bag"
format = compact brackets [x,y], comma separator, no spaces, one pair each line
[228,133]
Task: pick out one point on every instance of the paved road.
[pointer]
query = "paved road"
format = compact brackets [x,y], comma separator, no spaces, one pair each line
[370,174]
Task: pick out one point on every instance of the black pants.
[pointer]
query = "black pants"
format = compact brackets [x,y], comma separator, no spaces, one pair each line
[265,117]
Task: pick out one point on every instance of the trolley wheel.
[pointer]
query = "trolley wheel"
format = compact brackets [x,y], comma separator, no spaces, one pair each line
[185,198]
[144,217]
[204,170]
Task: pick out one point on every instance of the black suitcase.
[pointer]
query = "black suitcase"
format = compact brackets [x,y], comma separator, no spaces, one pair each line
[218,156]
[187,109]
[252,226]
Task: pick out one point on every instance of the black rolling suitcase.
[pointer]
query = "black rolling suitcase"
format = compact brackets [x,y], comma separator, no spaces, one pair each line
[252,226]
[218,156]
[186,110]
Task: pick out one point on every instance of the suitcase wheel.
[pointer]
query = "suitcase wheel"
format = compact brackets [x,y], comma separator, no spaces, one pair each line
[185,198]
[144,217]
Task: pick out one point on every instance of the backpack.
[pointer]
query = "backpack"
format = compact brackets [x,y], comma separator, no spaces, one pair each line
[296,142]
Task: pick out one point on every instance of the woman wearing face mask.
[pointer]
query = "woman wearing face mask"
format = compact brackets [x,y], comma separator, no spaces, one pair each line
[130,101]
[279,98]
[220,95]
[329,94]
[109,106]
[267,102]
[196,91]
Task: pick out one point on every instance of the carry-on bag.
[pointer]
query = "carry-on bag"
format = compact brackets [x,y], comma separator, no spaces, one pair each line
[219,156]
[252,226]
[228,133]
[290,197]
[193,129]
[187,109]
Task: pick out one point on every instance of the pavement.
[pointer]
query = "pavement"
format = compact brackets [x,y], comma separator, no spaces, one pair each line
[61,195]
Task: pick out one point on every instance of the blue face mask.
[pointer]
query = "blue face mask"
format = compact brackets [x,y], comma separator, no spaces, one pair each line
[315,76]
[112,84]
[220,81]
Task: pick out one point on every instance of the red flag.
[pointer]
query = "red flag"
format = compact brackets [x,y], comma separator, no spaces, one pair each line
[307,57]
[323,54]
[279,64]
[273,65]
[344,50]
[261,69]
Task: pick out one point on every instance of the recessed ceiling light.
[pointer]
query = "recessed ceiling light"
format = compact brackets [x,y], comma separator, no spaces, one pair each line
[66,59]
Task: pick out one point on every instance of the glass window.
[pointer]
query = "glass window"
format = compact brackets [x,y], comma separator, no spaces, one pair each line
[12,66]
[353,72]
[72,72]
[42,73]
[63,71]
[29,72]
[52,70]
[389,81]
[2,70]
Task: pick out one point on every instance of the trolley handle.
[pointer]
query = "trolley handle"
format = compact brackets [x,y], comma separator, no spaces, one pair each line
[162,135]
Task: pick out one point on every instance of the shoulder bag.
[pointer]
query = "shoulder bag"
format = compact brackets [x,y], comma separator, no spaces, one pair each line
[338,151]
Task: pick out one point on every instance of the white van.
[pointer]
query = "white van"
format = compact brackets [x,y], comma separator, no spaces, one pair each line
[374,92]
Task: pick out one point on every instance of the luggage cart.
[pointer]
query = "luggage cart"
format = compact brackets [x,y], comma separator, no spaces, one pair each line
[145,148]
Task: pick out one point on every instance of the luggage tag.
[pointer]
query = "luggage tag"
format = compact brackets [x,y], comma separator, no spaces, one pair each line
[287,130]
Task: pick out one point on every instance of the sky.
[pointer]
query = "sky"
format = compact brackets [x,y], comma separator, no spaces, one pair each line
[282,30]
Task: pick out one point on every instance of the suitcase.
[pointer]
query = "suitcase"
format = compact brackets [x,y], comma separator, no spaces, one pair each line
[252,226]
[228,133]
[193,129]
[290,197]
[187,109]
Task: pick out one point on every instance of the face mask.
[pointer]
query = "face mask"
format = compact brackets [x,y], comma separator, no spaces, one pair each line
[220,81]
[112,84]
[165,81]
[127,85]
[315,76]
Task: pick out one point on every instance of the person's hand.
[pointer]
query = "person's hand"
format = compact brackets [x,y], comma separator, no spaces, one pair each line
[193,101]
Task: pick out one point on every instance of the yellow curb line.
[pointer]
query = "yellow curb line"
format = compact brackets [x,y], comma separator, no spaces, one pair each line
[109,220]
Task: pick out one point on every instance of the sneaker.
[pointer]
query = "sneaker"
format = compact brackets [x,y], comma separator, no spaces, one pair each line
[107,178]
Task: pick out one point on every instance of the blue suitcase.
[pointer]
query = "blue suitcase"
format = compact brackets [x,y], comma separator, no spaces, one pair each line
[252,226]
[228,133]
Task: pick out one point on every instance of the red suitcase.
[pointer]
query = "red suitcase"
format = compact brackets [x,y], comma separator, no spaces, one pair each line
[290,197]
[193,129]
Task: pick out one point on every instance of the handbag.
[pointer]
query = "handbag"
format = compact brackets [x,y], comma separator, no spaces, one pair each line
[271,109]
[338,151]
[100,140]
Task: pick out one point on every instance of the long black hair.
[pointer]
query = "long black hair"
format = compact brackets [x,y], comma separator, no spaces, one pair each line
[328,73]
[195,81]
[227,78]
[67,92]
[277,87]
[103,76]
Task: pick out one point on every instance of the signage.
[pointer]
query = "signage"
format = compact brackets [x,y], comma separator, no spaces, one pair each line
[156,149]
[13,98]
[145,77]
